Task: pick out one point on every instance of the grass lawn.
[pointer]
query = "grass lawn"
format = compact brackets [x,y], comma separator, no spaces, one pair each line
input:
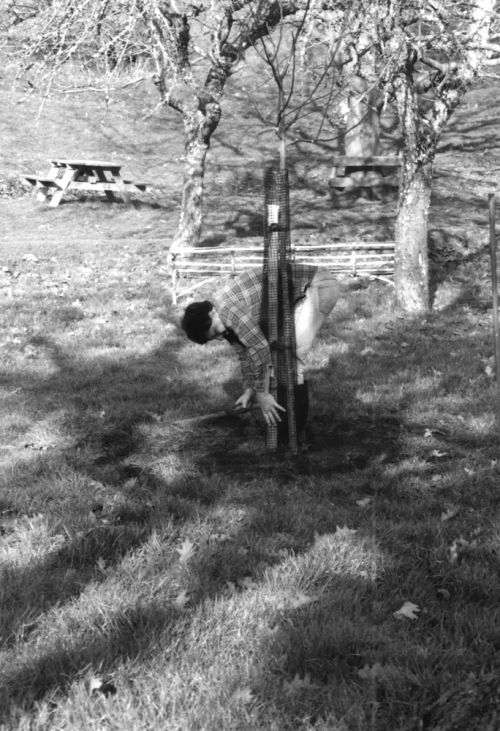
[158,577]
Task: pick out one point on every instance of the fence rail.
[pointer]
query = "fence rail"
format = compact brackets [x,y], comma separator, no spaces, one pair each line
[204,264]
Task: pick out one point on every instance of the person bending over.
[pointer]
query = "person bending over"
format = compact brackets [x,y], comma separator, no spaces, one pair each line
[235,315]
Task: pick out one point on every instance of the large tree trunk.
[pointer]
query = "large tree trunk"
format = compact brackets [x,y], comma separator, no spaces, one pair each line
[190,220]
[411,272]
[421,134]
[199,125]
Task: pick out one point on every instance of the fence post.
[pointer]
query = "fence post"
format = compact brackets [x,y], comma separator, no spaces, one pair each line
[175,277]
[276,307]
[494,288]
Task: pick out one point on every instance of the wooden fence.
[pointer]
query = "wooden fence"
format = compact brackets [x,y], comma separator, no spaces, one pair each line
[195,266]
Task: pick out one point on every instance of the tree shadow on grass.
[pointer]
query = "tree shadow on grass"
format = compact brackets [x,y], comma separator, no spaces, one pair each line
[273,527]
[343,435]
[357,441]
[106,405]
[67,571]
[106,401]
[134,631]
[343,649]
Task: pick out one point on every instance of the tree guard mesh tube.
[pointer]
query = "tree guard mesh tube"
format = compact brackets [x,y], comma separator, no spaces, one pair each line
[276,314]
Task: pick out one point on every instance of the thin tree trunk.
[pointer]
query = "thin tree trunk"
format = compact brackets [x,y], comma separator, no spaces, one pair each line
[411,272]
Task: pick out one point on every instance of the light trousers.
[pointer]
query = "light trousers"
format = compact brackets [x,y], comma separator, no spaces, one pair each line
[310,312]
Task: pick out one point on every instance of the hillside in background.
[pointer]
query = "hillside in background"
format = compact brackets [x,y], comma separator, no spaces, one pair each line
[147,141]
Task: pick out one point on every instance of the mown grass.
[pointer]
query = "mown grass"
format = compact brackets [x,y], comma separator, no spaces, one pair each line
[155,577]
[211,587]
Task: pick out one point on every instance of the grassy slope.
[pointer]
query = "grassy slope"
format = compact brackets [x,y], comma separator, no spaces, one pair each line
[209,587]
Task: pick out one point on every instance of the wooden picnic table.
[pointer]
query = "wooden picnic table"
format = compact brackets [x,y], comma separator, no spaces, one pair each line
[89,175]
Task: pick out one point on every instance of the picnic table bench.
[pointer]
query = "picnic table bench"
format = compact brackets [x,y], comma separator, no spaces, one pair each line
[375,169]
[89,175]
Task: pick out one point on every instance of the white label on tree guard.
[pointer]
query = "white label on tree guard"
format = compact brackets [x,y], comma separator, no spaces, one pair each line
[273,213]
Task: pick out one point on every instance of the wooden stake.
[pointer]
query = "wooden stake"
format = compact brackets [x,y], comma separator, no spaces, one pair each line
[277,309]
[289,353]
[273,212]
[494,286]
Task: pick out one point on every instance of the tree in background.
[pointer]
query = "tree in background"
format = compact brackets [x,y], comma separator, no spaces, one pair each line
[296,89]
[422,56]
[429,52]
[193,47]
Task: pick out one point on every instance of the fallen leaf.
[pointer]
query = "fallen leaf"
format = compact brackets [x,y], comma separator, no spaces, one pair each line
[155,417]
[408,610]
[345,532]
[453,552]
[371,672]
[297,684]
[457,548]
[450,513]
[95,683]
[92,518]
[101,564]
[181,600]
[242,695]
[246,583]
[219,537]
[98,685]
[186,551]
[388,674]
[295,600]
[443,593]
[436,454]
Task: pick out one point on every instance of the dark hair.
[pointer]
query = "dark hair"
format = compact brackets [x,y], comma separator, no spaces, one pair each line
[196,321]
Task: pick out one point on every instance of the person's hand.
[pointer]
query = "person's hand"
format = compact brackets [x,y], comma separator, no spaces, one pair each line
[270,407]
[244,400]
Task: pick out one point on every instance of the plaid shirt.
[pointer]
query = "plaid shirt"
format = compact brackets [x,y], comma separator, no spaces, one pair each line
[238,304]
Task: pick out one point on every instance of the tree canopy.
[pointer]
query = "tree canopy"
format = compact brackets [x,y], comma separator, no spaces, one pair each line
[421,55]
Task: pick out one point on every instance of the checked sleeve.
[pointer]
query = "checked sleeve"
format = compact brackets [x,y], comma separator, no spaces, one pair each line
[255,356]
